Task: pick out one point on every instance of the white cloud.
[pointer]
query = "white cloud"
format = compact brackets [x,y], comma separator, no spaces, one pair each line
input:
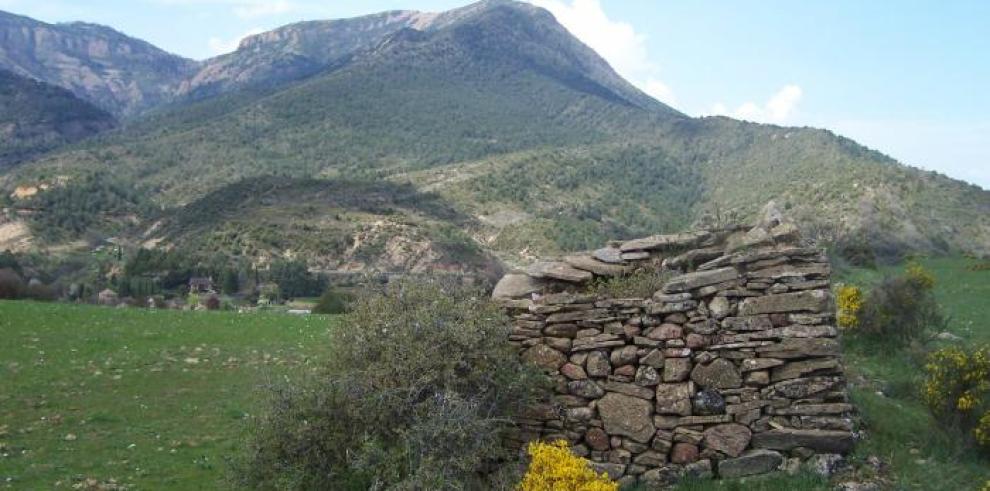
[616,41]
[778,109]
[219,46]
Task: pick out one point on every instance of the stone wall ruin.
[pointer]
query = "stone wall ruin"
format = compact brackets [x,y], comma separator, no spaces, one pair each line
[731,369]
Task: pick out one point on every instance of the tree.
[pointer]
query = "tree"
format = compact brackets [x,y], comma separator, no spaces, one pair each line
[294,279]
[230,281]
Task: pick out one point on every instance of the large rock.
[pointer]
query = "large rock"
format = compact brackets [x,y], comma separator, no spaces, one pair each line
[592,265]
[627,416]
[675,398]
[673,241]
[699,279]
[749,323]
[515,285]
[708,402]
[544,357]
[597,439]
[749,464]
[629,389]
[719,374]
[611,255]
[798,369]
[800,388]
[684,453]
[676,369]
[800,348]
[803,301]
[597,364]
[730,439]
[719,307]
[558,271]
[796,331]
[821,441]
[790,271]
[647,376]
[585,388]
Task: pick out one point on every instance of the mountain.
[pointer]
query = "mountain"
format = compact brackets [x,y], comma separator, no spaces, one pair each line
[36,117]
[299,50]
[115,72]
[493,112]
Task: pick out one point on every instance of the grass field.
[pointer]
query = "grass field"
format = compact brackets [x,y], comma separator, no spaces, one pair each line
[147,399]
[885,385]
[157,399]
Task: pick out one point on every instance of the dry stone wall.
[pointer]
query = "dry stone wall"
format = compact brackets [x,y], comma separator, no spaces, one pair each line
[732,368]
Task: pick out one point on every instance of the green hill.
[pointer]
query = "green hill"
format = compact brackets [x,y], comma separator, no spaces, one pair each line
[524,132]
[36,117]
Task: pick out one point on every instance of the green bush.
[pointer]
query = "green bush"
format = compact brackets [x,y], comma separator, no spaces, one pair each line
[640,284]
[332,301]
[418,390]
[11,285]
[901,309]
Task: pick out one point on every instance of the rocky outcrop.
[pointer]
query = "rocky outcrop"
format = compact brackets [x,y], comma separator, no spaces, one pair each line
[731,367]
[115,72]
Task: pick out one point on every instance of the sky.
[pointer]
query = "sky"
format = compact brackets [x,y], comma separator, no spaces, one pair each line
[908,78]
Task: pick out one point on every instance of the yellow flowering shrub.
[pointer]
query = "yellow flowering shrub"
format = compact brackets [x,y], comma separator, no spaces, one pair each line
[849,303]
[900,309]
[957,389]
[921,276]
[554,468]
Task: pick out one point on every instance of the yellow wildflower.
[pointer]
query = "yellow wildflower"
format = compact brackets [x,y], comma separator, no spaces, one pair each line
[554,468]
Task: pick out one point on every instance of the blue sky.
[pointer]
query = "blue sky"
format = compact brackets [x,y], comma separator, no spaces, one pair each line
[908,78]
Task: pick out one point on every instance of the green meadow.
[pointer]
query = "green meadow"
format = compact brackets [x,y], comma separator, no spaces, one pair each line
[94,396]
[99,398]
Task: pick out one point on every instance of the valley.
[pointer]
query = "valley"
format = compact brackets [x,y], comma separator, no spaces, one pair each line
[276,268]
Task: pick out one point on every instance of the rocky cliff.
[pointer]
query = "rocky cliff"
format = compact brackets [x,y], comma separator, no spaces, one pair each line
[118,73]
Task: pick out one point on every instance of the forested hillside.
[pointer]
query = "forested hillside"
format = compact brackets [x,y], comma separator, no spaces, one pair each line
[492,112]
[36,117]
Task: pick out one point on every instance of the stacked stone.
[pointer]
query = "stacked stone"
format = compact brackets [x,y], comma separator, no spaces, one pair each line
[729,370]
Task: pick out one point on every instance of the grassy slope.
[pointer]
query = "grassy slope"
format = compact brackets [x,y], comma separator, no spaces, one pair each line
[322,221]
[155,399]
[903,433]
[161,401]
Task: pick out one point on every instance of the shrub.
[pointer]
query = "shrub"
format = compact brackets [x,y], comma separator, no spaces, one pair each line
[418,391]
[332,301]
[8,260]
[902,308]
[849,303]
[917,274]
[640,284]
[554,468]
[11,285]
[40,291]
[212,302]
[957,390]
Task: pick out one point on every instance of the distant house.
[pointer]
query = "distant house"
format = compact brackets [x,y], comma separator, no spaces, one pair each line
[201,285]
[108,297]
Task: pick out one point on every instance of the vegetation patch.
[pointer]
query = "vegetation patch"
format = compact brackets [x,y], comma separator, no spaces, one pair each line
[418,392]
